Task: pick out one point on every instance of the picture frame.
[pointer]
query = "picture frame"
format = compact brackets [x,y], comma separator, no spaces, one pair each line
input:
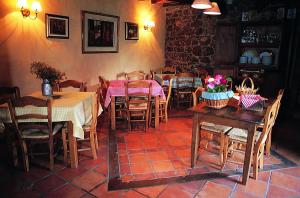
[100,33]
[57,26]
[131,31]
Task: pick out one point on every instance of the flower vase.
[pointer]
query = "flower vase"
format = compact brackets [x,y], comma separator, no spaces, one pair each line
[217,100]
[46,88]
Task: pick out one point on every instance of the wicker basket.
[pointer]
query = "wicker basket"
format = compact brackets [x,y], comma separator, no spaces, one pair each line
[243,89]
[216,104]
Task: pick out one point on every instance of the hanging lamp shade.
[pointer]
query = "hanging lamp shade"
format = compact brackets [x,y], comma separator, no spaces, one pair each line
[214,10]
[201,4]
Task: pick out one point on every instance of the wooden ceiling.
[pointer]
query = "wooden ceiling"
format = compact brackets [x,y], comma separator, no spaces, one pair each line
[172,2]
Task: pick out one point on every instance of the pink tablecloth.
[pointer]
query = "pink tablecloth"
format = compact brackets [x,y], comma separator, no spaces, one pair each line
[117,88]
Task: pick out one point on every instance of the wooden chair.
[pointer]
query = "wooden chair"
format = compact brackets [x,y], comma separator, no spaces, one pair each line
[269,139]
[201,73]
[90,133]
[137,102]
[163,105]
[90,136]
[211,129]
[101,93]
[237,137]
[185,87]
[81,86]
[38,132]
[135,75]
[11,92]
[168,70]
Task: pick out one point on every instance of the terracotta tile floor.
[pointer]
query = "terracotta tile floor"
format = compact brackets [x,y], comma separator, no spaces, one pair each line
[154,154]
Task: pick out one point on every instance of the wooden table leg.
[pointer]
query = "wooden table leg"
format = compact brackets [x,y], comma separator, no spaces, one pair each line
[248,154]
[156,111]
[195,140]
[113,113]
[72,146]
[11,143]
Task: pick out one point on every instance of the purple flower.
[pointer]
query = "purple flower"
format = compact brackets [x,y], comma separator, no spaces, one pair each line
[211,85]
[217,81]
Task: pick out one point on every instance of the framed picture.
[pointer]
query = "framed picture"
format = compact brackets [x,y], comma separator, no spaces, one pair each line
[131,31]
[57,26]
[99,33]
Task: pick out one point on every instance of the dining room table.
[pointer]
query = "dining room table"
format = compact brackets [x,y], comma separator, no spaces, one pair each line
[233,116]
[73,108]
[117,89]
[164,79]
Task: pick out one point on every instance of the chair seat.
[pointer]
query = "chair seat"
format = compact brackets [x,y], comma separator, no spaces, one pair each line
[241,135]
[138,106]
[215,127]
[40,133]
[162,101]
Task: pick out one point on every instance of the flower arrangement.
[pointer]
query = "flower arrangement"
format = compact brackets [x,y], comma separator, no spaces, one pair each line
[46,72]
[217,84]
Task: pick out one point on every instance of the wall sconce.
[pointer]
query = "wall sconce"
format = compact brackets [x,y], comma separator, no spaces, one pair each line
[35,7]
[149,25]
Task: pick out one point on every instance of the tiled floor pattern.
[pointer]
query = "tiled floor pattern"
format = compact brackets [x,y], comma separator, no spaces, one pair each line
[166,152]
[90,179]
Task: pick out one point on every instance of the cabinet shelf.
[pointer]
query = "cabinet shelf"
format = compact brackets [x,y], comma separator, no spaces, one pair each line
[260,45]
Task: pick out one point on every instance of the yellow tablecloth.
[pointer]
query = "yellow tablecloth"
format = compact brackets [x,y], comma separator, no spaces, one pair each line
[67,106]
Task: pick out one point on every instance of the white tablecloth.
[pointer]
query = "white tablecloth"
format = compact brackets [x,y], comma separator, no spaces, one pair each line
[68,106]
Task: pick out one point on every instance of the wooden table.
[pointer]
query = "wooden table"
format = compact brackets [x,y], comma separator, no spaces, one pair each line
[229,116]
[117,88]
[74,108]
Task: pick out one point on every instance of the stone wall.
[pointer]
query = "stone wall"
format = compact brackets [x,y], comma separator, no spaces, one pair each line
[190,37]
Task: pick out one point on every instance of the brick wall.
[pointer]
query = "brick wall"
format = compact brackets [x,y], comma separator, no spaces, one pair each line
[190,37]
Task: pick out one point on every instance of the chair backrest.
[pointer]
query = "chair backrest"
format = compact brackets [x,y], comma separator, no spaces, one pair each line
[102,89]
[169,92]
[185,74]
[135,75]
[185,80]
[11,92]
[168,70]
[81,86]
[279,97]
[196,95]
[269,122]
[41,120]
[139,88]
[151,75]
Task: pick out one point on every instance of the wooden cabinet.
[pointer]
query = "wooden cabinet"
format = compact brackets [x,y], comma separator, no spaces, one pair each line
[261,43]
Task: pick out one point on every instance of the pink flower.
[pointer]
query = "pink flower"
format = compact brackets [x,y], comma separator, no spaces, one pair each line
[217,81]
[223,81]
[219,77]
[211,85]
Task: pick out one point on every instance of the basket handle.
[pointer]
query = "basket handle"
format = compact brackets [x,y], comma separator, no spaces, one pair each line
[251,81]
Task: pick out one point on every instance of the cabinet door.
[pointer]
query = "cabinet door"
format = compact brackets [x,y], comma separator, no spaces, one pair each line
[226,44]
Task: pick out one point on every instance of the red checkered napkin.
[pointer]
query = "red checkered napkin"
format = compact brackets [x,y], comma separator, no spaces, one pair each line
[250,99]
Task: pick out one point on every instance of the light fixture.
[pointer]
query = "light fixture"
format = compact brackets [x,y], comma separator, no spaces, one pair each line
[35,7]
[149,25]
[201,4]
[214,10]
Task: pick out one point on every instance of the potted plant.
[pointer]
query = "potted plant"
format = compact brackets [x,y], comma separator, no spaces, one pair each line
[217,92]
[48,74]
